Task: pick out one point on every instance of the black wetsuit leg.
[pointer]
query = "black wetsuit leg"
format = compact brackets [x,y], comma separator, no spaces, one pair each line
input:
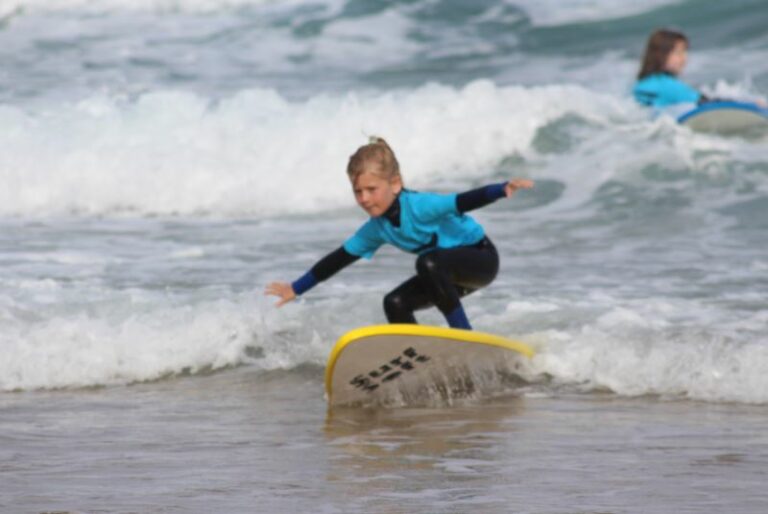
[401,302]
[443,277]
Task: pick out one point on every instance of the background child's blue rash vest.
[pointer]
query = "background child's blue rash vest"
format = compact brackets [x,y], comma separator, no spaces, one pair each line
[663,89]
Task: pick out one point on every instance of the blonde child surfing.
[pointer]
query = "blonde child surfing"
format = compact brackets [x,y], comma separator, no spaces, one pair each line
[454,256]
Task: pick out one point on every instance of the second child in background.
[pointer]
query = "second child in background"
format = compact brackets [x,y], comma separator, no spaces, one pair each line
[658,83]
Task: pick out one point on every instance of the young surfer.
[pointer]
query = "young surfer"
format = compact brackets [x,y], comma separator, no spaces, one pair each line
[657,83]
[455,257]
[658,86]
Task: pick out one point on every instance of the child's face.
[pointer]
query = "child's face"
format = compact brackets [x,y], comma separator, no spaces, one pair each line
[374,193]
[677,58]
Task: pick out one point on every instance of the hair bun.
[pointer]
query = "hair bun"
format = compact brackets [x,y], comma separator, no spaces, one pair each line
[376,155]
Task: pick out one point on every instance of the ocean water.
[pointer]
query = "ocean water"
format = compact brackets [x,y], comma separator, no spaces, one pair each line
[163,160]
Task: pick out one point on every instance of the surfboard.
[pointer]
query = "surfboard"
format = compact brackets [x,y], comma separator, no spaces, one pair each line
[725,117]
[417,364]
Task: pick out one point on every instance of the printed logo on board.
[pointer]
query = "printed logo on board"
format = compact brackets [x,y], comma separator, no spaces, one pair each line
[389,371]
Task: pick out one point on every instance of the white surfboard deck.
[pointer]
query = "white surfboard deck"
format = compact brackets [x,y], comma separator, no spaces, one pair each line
[725,117]
[418,364]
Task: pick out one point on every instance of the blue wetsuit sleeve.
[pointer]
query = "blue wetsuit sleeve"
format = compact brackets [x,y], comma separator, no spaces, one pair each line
[304,283]
[480,197]
[324,269]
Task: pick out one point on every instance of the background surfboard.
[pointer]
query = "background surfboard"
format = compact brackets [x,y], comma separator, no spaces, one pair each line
[725,117]
[417,364]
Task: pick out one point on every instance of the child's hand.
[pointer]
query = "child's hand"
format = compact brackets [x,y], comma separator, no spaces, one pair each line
[281,289]
[515,184]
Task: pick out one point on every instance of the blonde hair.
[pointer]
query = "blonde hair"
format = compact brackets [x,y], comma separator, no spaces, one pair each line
[376,157]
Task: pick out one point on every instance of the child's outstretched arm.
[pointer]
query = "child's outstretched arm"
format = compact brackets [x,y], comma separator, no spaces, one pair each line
[482,196]
[322,270]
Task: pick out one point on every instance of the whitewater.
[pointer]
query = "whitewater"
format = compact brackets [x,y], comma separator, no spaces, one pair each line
[256,158]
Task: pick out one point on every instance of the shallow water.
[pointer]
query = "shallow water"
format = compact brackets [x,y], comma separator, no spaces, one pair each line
[247,441]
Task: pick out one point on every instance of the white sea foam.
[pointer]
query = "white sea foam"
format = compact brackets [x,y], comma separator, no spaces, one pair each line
[258,154]
[633,352]
[255,153]
[57,335]
[126,338]
[554,12]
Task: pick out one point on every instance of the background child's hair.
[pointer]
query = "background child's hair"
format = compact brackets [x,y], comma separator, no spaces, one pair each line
[659,46]
[375,157]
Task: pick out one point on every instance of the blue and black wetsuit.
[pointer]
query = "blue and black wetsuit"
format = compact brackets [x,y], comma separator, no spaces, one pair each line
[455,257]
